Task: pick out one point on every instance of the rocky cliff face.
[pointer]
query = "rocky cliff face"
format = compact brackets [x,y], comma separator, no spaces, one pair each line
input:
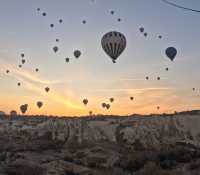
[96,145]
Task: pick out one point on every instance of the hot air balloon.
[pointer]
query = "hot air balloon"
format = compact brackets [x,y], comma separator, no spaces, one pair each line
[103,105]
[111,100]
[60,20]
[141,29]
[158,78]
[147,78]
[19,65]
[77,53]
[22,55]
[23,108]
[131,98]
[38,9]
[113,43]
[112,12]
[107,106]
[55,49]
[67,60]
[90,112]
[166,68]
[23,61]
[51,25]
[160,36]
[158,107]
[39,104]
[119,19]
[145,34]
[44,14]
[85,101]
[57,40]
[84,21]
[36,70]
[7,71]
[47,89]
[18,84]
[171,52]
[193,89]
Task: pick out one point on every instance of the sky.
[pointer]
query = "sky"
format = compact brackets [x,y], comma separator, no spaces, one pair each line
[94,76]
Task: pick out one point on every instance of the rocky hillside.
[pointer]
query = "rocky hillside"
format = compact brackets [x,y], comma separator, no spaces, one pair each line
[139,145]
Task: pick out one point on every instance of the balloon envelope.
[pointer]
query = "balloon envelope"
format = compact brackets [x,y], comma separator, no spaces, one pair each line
[113,43]
[171,52]
[39,104]
[77,53]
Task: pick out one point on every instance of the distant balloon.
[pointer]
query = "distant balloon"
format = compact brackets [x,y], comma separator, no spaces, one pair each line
[147,78]
[108,106]
[67,60]
[60,20]
[85,101]
[57,40]
[193,89]
[36,70]
[23,108]
[158,107]
[77,53]
[103,105]
[51,25]
[166,68]
[39,104]
[18,84]
[47,89]
[131,98]
[160,36]
[19,65]
[158,78]
[90,112]
[38,9]
[111,100]
[22,55]
[84,21]
[55,49]
[141,29]
[119,19]
[113,43]
[171,52]
[7,71]
[23,61]
[112,12]
[44,14]
[145,34]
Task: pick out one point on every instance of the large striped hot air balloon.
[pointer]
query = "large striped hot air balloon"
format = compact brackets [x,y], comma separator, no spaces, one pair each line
[113,43]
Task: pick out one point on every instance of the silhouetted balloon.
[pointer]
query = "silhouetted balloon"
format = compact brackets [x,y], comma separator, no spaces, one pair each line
[18,84]
[60,20]
[85,101]
[111,100]
[171,52]
[23,61]
[108,106]
[90,112]
[141,29]
[158,78]
[38,9]
[158,107]
[160,37]
[166,68]
[145,34]
[22,55]
[51,25]
[119,19]
[103,105]
[47,89]
[19,65]
[7,71]
[84,21]
[77,53]
[131,98]
[44,14]
[55,49]
[23,108]
[147,78]
[193,89]
[36,69]
[39,104]
[113,43]
[112,12]
[57,40]
[67,60]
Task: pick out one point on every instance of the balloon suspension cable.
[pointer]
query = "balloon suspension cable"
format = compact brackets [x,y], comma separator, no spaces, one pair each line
[180,7]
